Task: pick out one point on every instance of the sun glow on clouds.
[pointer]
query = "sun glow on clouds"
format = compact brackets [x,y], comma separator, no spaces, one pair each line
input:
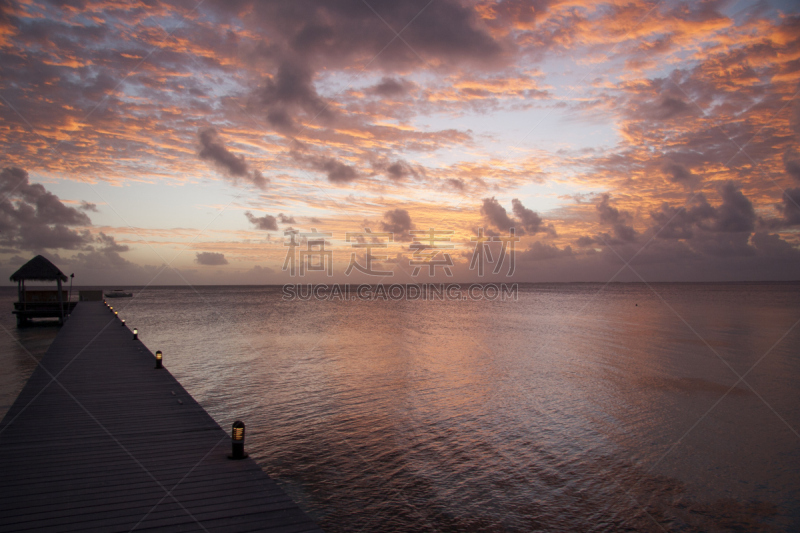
[167,117]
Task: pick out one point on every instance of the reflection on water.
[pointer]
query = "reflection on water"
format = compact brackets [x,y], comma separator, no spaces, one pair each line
[573,408]
[20,349]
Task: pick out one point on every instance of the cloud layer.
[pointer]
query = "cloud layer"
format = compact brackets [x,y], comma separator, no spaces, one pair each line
[667,131]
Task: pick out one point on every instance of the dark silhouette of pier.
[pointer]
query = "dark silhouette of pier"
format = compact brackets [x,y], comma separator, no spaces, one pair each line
[100,440]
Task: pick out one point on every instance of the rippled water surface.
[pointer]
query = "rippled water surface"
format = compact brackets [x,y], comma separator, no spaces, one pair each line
[20,349]
[577,407]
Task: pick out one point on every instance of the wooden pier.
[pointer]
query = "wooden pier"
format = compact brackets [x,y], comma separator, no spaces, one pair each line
[112,444]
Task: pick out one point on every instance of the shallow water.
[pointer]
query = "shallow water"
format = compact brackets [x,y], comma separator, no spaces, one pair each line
[20,349]
[576,407]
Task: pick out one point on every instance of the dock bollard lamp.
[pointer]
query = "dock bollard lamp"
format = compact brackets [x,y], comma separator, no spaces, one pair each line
[111,307]
[159,356]
[123,322]
[135,334]
[237,441]
[116,314]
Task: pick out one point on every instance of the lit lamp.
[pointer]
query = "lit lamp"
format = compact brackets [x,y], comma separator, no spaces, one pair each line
[158,359]
[123,322]
[111,307]
[237,441]
[116,314]
[135,333]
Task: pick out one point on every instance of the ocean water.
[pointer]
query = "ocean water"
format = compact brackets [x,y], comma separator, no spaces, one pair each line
[575,407]
[20,349]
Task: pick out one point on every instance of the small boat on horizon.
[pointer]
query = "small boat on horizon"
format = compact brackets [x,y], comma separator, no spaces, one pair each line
[118,293]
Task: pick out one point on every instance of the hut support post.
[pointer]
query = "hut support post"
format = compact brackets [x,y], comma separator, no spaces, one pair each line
[60,300]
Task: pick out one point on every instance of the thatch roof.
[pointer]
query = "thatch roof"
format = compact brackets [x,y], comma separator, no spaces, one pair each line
[38,268]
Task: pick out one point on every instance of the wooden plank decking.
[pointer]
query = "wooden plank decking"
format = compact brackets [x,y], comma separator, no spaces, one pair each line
[115,445]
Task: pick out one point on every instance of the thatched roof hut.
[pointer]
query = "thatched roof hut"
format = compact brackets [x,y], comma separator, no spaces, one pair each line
[39,269]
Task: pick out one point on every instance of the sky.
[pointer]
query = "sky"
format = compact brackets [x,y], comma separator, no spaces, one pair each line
[247,142]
